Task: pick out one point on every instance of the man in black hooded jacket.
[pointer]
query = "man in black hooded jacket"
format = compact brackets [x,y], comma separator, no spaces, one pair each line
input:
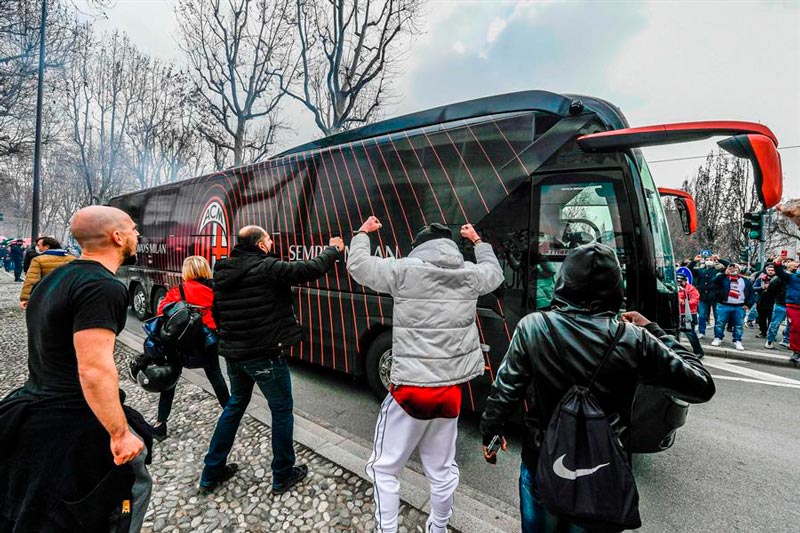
[253,309]
[587,297]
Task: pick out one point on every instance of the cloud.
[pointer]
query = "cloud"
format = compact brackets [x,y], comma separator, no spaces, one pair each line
[496,27]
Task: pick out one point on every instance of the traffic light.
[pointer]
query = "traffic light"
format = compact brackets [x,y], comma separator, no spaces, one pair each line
[755,223]
[2,217]
[744,256]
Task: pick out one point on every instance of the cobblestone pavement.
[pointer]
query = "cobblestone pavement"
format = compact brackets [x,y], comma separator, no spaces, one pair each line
[331,499]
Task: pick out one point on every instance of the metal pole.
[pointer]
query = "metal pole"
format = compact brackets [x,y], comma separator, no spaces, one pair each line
[37,146]
[762,244]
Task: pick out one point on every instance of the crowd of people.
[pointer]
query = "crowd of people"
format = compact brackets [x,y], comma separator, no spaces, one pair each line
[764,299]
[73,456]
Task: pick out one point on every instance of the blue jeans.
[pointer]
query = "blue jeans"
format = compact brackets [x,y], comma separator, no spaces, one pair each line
[778,316]
[535,518]
[273,378]
[729,313]
[704,309]
[752,314]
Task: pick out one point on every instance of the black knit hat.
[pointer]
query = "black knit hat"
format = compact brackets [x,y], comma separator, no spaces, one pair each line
[431,232]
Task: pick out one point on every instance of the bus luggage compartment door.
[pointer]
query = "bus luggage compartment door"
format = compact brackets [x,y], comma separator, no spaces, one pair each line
[656,416]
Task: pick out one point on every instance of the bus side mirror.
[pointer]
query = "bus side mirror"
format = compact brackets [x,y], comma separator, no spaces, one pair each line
[687,209]
[766,160]
[686,218]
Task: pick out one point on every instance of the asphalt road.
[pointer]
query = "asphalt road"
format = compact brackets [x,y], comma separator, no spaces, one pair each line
[734,467]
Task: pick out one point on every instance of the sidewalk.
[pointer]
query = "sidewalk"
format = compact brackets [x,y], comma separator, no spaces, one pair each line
[336,496]
[754,348]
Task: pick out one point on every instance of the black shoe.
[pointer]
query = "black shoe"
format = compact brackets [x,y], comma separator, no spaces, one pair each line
[228,472]
[299,473]
[159,431]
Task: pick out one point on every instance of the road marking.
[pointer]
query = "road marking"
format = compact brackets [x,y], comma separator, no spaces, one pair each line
[758,381]
[750,373]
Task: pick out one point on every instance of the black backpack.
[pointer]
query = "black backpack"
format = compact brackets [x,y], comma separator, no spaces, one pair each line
[583,472]
[182,328]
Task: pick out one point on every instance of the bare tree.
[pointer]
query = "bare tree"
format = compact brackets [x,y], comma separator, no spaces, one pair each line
[102,89]
[162,139]
[349,51]
[238,50]
[19,45]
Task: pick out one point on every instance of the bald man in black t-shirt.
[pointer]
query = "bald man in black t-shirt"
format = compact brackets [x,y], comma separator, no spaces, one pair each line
[64,435]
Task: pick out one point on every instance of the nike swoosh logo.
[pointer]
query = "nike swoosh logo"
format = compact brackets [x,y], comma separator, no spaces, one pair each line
[563,472]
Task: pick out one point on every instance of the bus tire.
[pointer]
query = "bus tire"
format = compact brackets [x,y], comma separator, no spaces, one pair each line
[158,295]
[378,364]
[139,301]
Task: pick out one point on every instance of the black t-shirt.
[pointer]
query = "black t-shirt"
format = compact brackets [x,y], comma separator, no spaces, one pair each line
[77,296]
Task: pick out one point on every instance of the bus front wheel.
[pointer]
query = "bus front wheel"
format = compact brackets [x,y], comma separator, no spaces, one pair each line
[139,301]
[379,364]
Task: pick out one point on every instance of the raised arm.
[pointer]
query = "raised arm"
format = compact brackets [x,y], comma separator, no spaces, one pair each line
[374,272]
[305,271]
[667,363]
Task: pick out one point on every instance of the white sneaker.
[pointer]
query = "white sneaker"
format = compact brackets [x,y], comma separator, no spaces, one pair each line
[739,346]
[716,342]
[784,344]
[769,346]
[701,335]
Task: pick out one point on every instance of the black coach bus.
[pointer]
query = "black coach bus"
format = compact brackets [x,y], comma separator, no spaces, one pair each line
[537,173]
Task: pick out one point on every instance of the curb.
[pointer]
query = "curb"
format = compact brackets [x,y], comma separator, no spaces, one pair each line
[472,510]
[753,356]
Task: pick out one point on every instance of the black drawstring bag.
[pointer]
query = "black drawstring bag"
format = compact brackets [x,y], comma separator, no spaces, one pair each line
[583,472]
[182,328]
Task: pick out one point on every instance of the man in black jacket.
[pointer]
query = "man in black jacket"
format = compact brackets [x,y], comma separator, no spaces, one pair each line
[588,296]
[253,308]
[704,271]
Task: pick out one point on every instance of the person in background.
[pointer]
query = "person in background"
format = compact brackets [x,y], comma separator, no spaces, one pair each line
[704,271]
[766,299]
[197,290]
[688,299]
[777,292]
[588,295]
[436,347]
[17,255]
[30,253]
[734,298]
[49,257]
[792,281]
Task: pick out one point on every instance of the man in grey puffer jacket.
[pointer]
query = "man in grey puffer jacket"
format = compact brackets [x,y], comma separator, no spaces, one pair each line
[435,348]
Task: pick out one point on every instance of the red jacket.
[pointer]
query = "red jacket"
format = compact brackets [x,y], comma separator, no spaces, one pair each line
[694,297]
[197,293]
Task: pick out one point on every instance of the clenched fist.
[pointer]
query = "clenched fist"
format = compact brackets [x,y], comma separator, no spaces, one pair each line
[370,225]
[791,210]
[337,242]
[468,232]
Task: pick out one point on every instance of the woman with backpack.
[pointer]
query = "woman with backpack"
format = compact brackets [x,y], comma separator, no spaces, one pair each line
[195,290]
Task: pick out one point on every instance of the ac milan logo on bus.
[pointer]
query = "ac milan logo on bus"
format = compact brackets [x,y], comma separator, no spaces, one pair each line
[212,231]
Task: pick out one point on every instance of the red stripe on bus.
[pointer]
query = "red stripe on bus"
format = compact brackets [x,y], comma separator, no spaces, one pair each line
[408,179]
[380,191]
[446,175]
[513,151]
[397,194]
[488,159]
[434,195]
[469,172]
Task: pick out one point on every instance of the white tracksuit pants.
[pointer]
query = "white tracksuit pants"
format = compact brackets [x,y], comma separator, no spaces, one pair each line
[397,435]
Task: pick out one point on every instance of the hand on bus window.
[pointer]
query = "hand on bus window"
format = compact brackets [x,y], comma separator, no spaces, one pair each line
[791,210]
[370,225]
[468,232]
[337,242]
[637,319]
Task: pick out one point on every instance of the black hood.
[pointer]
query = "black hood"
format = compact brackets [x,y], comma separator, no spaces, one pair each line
[590,281]
[229,272]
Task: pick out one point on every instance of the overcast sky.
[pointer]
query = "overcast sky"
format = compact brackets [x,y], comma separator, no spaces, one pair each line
[659,62]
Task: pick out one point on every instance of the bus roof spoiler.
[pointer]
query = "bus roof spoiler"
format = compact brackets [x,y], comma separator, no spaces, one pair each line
[747,140]
[687,209]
